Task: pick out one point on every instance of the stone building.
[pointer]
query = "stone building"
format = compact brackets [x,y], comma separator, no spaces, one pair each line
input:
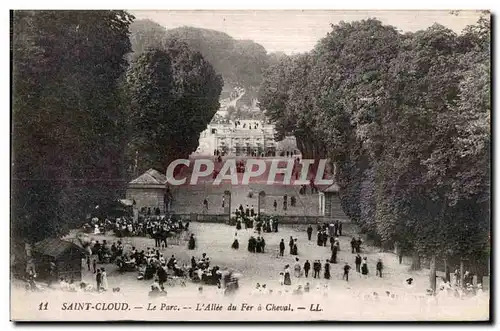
[148,190]
[240,138]
[329,203]
[243,138]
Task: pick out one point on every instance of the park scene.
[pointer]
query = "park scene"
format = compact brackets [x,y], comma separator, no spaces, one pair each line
[161,160]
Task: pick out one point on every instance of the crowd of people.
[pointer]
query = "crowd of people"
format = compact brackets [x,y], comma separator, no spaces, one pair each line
[248,217]
[157,227]
[318,269]
[200,272]
[151,264]
[256,245]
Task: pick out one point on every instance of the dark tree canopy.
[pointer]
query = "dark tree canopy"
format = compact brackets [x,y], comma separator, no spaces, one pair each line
[174,93]
[405,117]
[68,121]
[81,114]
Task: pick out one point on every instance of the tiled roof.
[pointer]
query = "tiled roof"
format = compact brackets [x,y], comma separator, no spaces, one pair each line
[332,188]
[151,176]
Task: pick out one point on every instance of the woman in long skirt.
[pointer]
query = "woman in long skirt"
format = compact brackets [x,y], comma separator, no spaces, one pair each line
[287,280]
[192,242]
[235,244]
[327,270]
[104,280]
[364,267]
[319,240]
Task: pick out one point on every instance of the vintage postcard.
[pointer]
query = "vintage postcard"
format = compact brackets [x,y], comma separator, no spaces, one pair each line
[250,165]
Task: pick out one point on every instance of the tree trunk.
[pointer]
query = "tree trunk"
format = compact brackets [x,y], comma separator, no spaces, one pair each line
[432,276]
[446,271]
[461,273]
[415,263]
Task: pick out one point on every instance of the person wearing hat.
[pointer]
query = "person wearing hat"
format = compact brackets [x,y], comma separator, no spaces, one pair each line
[235,244]
[327,270]
[379,268]
[316,268]
[358,261]
[345,276]
[297,268]
[287,280]
[282,247]
[364,267]
[307,267]
[309,232]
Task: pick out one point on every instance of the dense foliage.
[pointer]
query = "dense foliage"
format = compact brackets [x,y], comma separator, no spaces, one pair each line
[68,123]
[85,110]
[174,93]
[406,119]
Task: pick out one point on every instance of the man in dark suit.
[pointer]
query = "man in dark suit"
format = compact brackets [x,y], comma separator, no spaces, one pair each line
[317,268]
[345,276]
[307,267]
[309,232]
[357,261]
[282,247]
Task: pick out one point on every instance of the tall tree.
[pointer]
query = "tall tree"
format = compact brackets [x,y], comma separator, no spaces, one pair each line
[406,119]
[174,94]
[68,123]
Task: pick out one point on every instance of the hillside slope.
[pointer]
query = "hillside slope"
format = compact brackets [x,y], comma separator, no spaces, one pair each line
[240,62]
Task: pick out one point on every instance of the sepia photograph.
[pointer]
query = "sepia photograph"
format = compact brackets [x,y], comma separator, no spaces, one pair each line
[250,165]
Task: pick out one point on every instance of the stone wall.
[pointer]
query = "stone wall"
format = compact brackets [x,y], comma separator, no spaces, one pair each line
[147,197]
[224,218]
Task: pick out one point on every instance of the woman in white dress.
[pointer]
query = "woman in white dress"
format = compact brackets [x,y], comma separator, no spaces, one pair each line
[104,280]
[297,268]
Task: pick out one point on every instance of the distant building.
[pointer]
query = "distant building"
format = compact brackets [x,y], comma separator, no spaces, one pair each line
[243,138]
[329,203]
